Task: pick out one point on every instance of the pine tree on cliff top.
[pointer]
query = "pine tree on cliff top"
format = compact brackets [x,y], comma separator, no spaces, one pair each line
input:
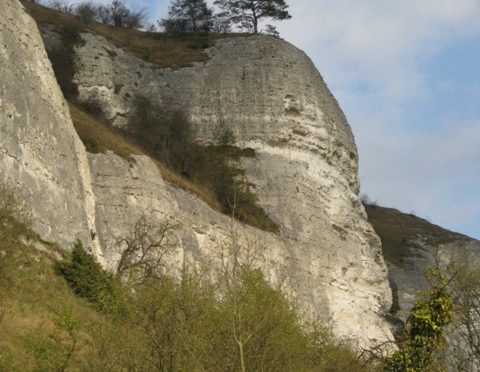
[188,16]
[248,13]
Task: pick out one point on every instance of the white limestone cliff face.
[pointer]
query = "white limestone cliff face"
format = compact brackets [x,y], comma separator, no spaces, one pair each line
[273,99]
[270,95]
[41,156]
[127,190]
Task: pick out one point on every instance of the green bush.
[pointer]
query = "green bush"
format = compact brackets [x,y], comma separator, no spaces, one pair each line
[425,329]
[87,278]
[189,325]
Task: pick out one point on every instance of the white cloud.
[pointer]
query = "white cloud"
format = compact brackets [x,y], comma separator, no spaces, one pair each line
[379,41]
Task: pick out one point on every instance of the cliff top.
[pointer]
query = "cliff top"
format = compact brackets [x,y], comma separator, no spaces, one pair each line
[157,48]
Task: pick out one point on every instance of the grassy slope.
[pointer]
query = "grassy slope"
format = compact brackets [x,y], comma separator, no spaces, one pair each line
[100,137]
[396,229]
[31,294]
[157,48]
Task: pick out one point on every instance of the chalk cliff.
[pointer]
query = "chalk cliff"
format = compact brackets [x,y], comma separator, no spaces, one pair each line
[271,97]
[269,94]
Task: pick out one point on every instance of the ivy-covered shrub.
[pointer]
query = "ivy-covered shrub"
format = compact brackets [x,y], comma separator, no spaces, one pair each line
[426,326]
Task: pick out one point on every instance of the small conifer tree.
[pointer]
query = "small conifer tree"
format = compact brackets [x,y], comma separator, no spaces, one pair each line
[188,16]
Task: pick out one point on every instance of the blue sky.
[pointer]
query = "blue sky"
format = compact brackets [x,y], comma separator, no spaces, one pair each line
[407,75]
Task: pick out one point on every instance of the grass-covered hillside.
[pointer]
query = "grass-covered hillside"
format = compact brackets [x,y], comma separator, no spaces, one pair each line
[63,312]
[154,47]
[396,229]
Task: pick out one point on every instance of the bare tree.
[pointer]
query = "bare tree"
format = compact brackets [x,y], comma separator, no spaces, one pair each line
[86,11]
[239,260]
[143,253]
[118,14]
[61,6]
[464,337]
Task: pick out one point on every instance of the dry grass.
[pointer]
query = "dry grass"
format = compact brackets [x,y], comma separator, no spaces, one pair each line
[99,137]
[174,178]
[32,299]
[157,48]
[395,229]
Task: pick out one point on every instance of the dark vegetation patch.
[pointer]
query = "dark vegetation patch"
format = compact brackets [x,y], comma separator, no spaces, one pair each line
[168,137]
[207,171]
[87,278]
[397,229]
[160,49]
[62,58]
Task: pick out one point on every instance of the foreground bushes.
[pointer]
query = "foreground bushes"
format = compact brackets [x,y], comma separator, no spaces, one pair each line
[425,331]
[187,325]
[87,278]
[236,321]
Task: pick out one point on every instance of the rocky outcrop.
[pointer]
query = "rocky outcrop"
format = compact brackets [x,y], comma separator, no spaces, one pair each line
[41,156]
[411,246]
[270,96]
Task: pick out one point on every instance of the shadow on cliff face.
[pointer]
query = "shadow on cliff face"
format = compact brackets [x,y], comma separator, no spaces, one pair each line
[62,57]
[207,171]
[166,135]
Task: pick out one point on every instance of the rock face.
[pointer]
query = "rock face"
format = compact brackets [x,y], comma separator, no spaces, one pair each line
[41,156]
[412,246]
[270,96]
